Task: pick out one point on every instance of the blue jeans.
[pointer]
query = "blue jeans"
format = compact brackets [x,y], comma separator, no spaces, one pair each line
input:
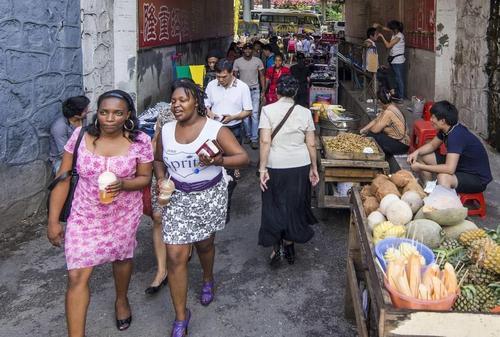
[251,123]
[399,74]
[236,130]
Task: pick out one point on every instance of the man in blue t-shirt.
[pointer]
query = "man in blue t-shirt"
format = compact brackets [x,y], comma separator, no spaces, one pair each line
[465,167]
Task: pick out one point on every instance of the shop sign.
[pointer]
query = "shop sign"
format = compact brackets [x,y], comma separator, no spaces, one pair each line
[169,22]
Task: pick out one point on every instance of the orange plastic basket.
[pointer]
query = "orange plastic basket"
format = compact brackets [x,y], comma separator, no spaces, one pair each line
[406,302]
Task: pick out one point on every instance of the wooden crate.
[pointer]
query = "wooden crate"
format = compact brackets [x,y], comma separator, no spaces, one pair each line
[329,154]
[341,170]
[382,319]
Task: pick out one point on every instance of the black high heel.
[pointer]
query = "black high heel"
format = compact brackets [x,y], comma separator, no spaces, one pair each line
[290,253]
[124,324]
[275,257]
[151,290]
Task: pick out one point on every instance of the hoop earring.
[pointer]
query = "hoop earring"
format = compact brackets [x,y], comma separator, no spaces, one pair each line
[129,128]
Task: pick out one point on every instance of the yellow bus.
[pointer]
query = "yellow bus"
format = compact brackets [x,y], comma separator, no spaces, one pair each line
[282,21]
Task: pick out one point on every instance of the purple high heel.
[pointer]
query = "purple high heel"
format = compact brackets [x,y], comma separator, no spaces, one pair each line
[180,328]
[207,293]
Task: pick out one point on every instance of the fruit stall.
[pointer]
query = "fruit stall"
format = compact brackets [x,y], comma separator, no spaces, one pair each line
[416,266]
[343,162]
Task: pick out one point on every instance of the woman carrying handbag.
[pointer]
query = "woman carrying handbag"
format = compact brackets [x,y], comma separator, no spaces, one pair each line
[288,170]
[114,164]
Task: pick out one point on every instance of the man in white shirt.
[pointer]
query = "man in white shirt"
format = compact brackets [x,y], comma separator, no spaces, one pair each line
[228,101]
[228,98]
[250,70]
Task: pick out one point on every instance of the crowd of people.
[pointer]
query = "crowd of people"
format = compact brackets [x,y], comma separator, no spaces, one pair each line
[245,100]
[249,96]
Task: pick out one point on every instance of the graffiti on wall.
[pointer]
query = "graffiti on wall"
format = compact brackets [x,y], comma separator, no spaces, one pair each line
[168,22]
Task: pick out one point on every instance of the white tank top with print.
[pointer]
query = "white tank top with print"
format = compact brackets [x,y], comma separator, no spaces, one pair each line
[181,159]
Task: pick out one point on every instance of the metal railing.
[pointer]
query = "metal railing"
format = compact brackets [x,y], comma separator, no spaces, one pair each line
[352,55]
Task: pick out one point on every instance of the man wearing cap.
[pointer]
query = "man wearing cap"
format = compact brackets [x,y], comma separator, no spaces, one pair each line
[250,70]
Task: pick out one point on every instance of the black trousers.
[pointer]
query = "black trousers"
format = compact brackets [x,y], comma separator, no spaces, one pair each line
[389,145]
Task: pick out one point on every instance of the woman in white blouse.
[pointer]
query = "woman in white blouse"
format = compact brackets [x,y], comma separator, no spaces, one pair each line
[288,170]
[396,57]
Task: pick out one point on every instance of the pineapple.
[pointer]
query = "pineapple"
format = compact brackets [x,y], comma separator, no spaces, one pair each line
[449,244]
[492,260]
[479,248]
[486,298]
[480,276]
[467,301]
[467,237]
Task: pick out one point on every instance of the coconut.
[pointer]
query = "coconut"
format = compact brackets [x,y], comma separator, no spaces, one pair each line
[413,199]
[386,201]
[375,218]
[399,213]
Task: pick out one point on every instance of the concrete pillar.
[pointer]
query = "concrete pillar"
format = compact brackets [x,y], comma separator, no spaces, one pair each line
[109,47]
[246,10]
[446,33]
[126,46]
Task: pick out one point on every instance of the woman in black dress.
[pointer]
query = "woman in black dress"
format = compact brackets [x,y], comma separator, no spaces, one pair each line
[287,170]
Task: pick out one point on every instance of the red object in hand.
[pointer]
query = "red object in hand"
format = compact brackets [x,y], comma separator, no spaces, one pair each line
[210,148]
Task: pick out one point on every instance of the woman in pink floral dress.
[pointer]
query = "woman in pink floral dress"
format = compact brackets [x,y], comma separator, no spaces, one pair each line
[98,233]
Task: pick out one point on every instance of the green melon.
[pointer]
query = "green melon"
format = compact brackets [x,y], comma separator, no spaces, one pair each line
[453,232]
[447,217]
[426,231]
[419,214]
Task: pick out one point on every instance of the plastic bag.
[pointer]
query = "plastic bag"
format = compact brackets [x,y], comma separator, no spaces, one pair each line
[443,198]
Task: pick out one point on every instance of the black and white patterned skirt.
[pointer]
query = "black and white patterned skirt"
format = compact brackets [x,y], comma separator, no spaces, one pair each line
[193,217]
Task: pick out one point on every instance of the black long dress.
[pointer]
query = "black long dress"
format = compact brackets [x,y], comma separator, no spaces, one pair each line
[286,207]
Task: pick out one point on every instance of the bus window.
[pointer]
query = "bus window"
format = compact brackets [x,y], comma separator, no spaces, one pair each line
[266,18]
[291,19]
[279,19]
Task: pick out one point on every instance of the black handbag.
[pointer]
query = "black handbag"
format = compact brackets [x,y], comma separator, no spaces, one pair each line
[275,131]
[391,58]
[66,210]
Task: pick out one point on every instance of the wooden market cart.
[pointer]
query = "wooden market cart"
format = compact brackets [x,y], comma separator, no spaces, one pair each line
[335,167]
[372,308]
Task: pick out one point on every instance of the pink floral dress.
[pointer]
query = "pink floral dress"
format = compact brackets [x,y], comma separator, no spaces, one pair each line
[97,233]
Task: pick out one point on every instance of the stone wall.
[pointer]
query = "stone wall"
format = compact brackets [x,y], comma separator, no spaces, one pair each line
[493,70]
[97,44]
[469,79]
[40,66]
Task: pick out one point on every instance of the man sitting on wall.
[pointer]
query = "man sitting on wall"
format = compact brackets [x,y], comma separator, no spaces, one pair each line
[465,167]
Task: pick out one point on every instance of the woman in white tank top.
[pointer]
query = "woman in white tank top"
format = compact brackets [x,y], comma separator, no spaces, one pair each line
[396,57]
[198,206]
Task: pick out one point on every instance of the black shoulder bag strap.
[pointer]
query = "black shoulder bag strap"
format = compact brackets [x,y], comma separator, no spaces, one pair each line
[280,125]
[277,129]
[73,172]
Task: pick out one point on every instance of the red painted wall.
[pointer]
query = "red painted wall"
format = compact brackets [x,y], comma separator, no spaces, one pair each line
[169,22]
[420,22]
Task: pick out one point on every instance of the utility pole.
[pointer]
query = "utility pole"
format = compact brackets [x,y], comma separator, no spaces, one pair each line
[246,10]
[323,10]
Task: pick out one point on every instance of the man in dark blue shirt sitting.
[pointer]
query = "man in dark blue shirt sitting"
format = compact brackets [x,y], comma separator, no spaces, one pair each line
[465,167]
